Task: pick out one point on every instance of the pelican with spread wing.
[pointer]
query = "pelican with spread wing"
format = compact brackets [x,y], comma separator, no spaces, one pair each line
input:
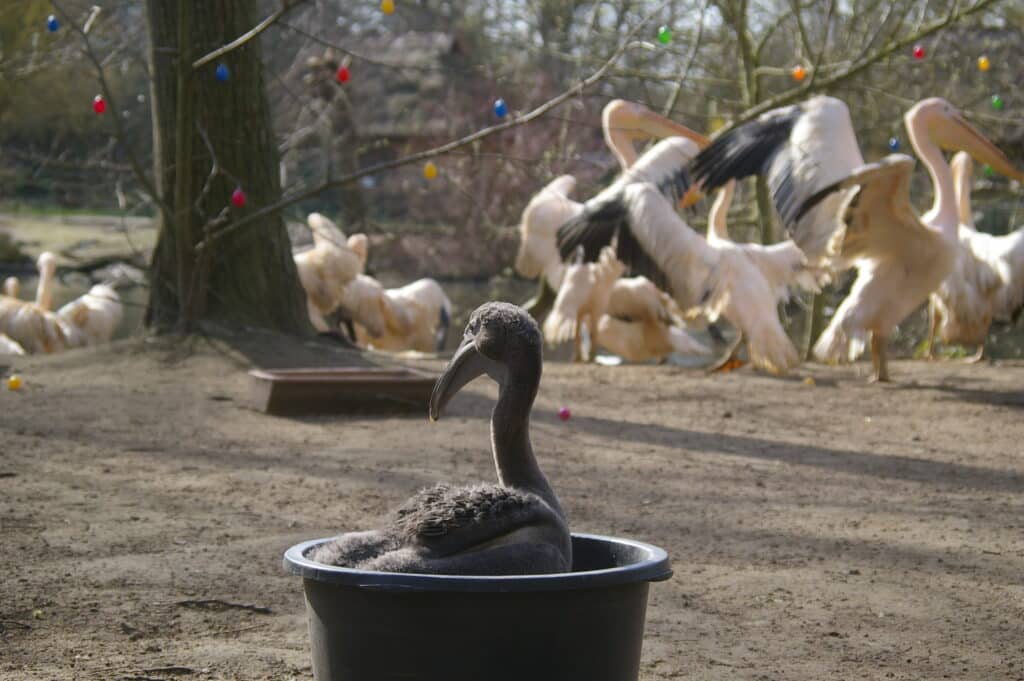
[715,277]
[843,212]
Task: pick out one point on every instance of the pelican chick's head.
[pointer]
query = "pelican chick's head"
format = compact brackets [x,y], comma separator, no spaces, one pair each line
[502,341]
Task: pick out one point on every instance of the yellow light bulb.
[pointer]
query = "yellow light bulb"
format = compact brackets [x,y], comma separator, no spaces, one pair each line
[984,64]
[387,6]
[430,170]
[14,382]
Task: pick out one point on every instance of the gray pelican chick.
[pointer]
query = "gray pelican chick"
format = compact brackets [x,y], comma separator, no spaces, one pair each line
[514,527]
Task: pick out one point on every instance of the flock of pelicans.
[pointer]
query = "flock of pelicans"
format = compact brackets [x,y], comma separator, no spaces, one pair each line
[33,327]
[841,213]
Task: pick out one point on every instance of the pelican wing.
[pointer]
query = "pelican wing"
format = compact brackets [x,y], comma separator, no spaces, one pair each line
[638,299]
[653,241]
[1006,254]
[572,296]
[605,217]
[325,231]
[878,219]
[801,150]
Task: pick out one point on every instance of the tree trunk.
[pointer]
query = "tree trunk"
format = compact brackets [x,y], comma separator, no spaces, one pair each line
[248,277]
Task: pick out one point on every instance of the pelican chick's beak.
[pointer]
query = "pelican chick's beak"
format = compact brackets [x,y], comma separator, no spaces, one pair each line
[465,365]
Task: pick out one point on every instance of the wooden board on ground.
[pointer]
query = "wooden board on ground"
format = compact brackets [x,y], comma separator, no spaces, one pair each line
[341,390]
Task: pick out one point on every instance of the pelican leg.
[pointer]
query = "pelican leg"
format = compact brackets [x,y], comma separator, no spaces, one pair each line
[933,324]
[542,300]
[730,359]
[577,341]
[978,355]
[878,359]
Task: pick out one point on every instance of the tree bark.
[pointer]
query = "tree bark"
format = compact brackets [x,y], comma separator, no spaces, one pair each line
[247,278]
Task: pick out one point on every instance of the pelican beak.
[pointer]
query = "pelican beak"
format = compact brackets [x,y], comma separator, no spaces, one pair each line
[465,365]
[659,127]
[960,135]
[692,196]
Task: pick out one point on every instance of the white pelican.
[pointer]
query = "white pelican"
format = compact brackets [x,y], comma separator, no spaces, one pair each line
[543,215]
[843,212]
[628,317]
[93,318]
[716,276]
[46,263]
[9,346]
[987,281]
[31,324]
[623,123]
[413,317]
[33,328]
[325,269]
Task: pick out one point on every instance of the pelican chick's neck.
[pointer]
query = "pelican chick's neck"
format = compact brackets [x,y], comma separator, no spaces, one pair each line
[510,434]
[943,213]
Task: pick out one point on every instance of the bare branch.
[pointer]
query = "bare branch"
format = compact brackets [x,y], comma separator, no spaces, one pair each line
[115,112]
[286,6]
[857,67]
[547,106]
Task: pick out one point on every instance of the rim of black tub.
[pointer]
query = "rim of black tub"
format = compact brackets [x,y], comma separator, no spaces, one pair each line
[646,563]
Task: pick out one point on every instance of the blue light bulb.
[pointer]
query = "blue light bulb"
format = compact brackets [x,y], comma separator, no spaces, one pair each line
[894,144]
[500,110]
[52,24]
[222,72]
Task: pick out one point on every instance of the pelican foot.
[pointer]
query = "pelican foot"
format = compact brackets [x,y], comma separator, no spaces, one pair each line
[978,355]
[730,360]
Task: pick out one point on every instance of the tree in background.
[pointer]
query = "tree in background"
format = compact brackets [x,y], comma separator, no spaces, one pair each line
[214,156]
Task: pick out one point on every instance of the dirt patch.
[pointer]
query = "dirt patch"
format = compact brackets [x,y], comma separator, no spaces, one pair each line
[835,530]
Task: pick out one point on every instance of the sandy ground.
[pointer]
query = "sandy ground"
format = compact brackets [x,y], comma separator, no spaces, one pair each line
[827,531]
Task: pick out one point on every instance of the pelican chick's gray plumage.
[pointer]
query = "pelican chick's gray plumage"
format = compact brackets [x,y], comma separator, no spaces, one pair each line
[514,527]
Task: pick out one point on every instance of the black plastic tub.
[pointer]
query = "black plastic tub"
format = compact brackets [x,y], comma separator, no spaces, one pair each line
[585,625]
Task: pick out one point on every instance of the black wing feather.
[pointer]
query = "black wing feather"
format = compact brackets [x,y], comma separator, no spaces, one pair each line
[745,150]
[675,186]
[594,228]
[630,252]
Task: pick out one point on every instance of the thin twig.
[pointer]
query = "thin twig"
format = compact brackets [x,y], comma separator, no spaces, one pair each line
[433,152]
[217,602]
[286,6]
